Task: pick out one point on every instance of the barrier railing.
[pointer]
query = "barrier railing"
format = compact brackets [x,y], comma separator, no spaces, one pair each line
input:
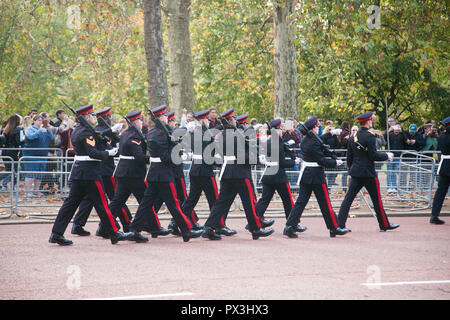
[7,187]
[414,175]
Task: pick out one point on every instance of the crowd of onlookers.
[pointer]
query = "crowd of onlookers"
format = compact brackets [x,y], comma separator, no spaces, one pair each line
[37,134]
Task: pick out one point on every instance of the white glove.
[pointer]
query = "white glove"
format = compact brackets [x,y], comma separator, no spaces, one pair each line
[112,152]
[117,127]
[339,162]
[390,156]
[336,132]
[297,161]
[291,142]
[184,156]
[262,159]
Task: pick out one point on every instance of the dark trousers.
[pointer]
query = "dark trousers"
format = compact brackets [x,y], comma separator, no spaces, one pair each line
[323,198]
[283,190]
[440,194]
[126,187]
[373,187]
[146,215]
[229,188]
[94,190]
[86,205]
[198,185]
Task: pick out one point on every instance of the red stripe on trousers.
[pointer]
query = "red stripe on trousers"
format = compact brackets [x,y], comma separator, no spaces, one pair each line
[105,205]
[183,185]
[330,209]
[383,214]
[252,198]
[216,193]
[290,194]
[125,215]
[177,203]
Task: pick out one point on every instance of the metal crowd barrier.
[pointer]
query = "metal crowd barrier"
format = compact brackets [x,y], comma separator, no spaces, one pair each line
[7,187]
[415,176]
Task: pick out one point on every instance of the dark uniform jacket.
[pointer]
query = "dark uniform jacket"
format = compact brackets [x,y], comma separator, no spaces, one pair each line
[283,162]
[107,166]
[312,152]
[178,169]
[444,146]
[85,144]
[233,170]
[199,167]
[361,162]
[131,145]
[160,147]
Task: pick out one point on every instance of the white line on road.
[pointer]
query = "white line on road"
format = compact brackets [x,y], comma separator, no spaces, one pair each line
[404,283]
[148,296]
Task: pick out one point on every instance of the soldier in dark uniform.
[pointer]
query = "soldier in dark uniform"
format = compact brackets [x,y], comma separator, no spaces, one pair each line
[274,176]
[106,171]
[361,156]
[130,171]
[443,172]
[180,184]
[160,183]
[312,178]
[201,174]
[86,180]
[235,179]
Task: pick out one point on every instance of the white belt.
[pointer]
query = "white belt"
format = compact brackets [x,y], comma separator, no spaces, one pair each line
[85,158]
[126,157]
[155,159]
[267,164]
[305,164]
[443,157]
[226,159]
[197,157]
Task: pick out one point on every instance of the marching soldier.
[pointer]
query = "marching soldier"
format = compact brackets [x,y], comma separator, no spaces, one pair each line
[160,183]
[443,172]
[312,178]
[130,171]
[235,179]
[86,180]
[201,174]
[274,176]
[361,156]
[106,171]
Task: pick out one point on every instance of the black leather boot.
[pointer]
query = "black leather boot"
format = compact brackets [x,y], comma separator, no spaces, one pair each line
[290,231]
[210,234]
[261,233]
[79,230]
[59,239]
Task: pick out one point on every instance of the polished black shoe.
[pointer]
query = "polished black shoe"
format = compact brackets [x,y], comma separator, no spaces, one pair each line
[77,229]
[390,227]
[299,228]
[173,228]
[161,232]
[136,236]
[261,233]
[59,239]
[210,234]
[337,232]
[102,233]
[436,220]
[191,234]
[267,223]
[290,232]
[119,236]
[226,231]
[197,226]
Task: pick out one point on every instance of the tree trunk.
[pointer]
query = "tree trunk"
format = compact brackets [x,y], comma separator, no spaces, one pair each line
[180,59]
[285,61]
[154,52]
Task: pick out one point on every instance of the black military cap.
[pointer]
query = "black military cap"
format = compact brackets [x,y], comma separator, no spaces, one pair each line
[171,116]
[227,114]
[85,109]
[365,116]
[242,118]
[161,110]
[446,122]
[276,124]
[311,123]
[133,115]
[103,112]
[202,114]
